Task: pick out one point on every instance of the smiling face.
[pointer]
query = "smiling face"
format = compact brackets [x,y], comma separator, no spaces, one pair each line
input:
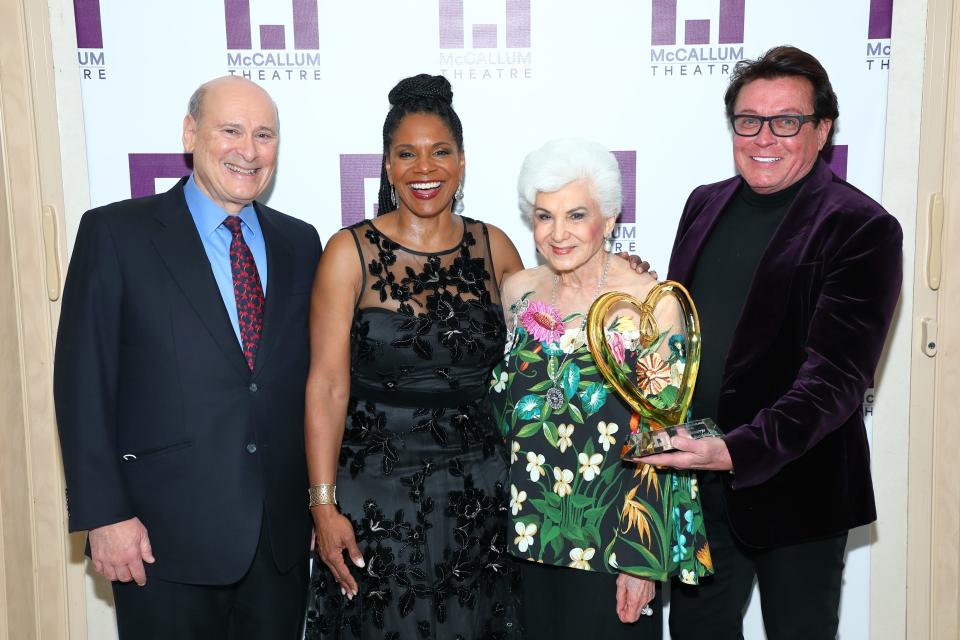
[234,142]
[568,227]
[424,165]
[766,162]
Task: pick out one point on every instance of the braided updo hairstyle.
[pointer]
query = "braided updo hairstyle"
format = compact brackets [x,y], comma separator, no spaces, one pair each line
[419,94]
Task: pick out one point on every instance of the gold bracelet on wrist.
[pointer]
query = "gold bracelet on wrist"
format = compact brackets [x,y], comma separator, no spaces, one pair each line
[322,494]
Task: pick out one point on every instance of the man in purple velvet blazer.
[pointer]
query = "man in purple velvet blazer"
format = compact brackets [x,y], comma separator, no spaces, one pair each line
[796,275]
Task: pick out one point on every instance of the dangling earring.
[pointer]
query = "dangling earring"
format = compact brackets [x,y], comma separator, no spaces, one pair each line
[393,196]
[608,242]
[458,199]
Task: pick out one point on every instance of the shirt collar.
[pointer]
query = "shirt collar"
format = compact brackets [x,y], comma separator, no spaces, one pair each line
[207,215]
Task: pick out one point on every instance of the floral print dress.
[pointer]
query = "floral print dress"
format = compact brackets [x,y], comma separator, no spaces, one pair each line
[573,501]
[422,467]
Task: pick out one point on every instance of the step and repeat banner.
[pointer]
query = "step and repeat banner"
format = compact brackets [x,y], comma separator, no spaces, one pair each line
[644,77]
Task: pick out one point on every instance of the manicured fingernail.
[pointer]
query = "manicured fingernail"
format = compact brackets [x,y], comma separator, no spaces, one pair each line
[343,591]
[359,562]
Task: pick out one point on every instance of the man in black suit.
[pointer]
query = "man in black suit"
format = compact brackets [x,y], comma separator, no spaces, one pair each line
[179,378]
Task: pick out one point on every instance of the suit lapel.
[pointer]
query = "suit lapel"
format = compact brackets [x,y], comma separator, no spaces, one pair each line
[280,272]
[765,305]
[181,249]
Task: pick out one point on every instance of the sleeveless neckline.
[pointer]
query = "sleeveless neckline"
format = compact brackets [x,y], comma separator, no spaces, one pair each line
[463,235]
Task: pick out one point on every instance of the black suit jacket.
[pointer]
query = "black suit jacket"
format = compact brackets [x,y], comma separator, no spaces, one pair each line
[159,415]
[803,354]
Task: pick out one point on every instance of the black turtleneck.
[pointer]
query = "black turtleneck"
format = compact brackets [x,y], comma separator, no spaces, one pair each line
[722,278]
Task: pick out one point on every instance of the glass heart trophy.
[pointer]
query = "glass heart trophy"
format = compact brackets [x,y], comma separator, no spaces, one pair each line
[659,385]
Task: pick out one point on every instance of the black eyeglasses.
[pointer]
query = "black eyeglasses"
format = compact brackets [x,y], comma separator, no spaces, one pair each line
[785,125]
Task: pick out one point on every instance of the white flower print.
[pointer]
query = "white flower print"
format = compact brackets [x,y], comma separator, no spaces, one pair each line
[572,339]
[535,466]
[580,558]
[564,431]
[516,499]
[525,533]
[563,479]
[589,465]
[606,434]
[613,561]
[688,577]
[694,487]
[499,384]
[514,450]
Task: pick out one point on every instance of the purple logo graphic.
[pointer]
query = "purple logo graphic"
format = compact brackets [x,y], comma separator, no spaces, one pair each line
[306,33]
[86,14]
[355,170]
[145,168]
[484,36]
[695,32]
[628,177]
[881,19]
[836,157]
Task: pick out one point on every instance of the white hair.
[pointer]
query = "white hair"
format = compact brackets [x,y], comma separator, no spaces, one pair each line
[560,162]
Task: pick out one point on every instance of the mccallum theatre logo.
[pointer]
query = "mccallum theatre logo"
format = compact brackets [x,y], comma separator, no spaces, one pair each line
[359,186]
[86,15]
[485,50]
[625,231]
[695,46]
[878,35]
[145,168]
[273,54]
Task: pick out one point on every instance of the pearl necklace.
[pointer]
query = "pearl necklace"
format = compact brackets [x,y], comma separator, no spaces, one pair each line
[555,396]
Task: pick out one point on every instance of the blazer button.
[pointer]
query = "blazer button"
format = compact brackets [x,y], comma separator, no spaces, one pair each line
[253,387]
[251,448]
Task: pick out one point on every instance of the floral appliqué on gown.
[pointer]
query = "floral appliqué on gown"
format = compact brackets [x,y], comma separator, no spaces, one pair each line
[422,468]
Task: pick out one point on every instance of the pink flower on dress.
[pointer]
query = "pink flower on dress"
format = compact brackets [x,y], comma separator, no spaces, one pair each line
[542,322]
[653,374]
[615,340]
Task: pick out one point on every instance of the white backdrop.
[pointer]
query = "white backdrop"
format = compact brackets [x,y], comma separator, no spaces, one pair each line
[644,77]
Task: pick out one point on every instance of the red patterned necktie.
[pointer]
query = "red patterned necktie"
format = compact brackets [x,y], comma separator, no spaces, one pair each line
[247,290]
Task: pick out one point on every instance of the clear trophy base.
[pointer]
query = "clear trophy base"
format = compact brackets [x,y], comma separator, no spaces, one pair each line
[638,445]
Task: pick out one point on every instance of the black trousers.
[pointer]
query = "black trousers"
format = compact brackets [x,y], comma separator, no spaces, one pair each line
[264,605]
[799,583]
[560,602]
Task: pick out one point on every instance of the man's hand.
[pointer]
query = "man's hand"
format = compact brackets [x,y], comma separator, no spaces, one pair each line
[119,550]
[709,454]
[637,263]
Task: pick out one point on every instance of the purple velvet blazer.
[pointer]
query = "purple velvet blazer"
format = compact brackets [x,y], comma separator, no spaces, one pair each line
[803,353]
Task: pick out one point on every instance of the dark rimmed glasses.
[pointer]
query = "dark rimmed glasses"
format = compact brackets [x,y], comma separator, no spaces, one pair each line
[785,125]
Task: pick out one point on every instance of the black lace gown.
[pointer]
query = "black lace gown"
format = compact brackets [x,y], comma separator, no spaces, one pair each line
[422,468]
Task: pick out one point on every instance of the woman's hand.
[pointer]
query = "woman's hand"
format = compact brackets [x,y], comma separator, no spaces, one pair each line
[334,536]
[633,594]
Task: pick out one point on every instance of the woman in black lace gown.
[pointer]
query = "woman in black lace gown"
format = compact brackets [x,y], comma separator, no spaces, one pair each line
[406,325]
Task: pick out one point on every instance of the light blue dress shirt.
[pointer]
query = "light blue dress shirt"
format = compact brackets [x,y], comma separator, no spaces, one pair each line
[216,238]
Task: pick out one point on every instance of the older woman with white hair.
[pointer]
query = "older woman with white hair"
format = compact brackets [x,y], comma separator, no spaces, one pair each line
[598,532]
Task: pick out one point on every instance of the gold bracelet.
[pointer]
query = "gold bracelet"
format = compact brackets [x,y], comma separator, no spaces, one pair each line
[322,494]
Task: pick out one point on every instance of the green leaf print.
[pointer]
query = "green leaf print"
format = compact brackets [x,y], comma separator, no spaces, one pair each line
[579,502]
[549,532]
[575,413]
[529,356]
[550,433]
[548,512]
[543,385]
[528,430]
